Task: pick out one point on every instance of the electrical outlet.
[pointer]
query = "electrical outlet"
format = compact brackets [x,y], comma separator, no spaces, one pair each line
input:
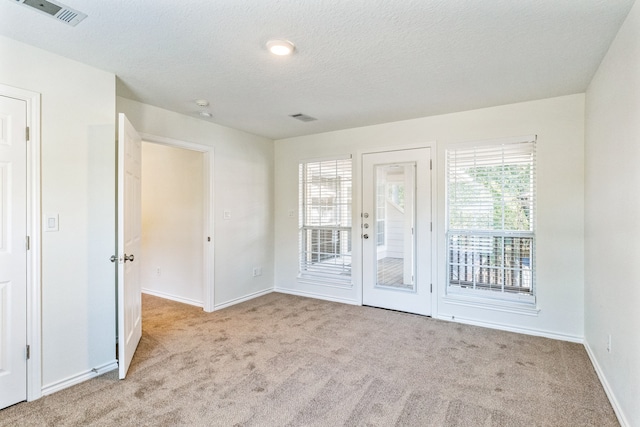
[226,215]
[291,213]
[609,343]
[257,271]
[158,272]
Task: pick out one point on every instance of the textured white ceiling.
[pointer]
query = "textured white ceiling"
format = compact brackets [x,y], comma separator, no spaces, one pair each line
[358,62]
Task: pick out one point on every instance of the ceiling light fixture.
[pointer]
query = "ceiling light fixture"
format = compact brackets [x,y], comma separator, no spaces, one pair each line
[206,114]
[201,102]
[280,47]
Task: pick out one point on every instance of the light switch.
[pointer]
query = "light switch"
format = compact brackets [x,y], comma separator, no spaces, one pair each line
[51,222]
[226,215]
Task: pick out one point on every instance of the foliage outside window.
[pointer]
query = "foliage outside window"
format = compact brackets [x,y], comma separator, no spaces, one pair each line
[325,220]
[491,219]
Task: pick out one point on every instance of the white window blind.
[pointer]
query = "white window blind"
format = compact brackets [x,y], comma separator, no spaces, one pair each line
[325,220]
[491,204]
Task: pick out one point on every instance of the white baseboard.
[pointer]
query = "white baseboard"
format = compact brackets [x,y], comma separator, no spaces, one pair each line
[535,332]
[317,296]
[242,299]
[607,388]
[172,297]
[77,379]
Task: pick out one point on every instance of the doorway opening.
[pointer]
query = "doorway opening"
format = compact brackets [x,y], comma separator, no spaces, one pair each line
[177,240]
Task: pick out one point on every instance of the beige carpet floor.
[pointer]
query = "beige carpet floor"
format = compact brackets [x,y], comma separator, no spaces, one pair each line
[282,360]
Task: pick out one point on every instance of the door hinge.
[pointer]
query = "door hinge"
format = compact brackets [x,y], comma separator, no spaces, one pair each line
[430,164]
[28,352]
[28,243]
[431,288]
[27,133]
[431,226]
[208,239]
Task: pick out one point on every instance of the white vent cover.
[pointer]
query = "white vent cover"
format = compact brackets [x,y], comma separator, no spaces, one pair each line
[303,117]
[56,10]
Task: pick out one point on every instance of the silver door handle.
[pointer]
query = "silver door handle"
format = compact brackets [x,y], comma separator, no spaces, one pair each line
[365,236]
[128,258]
[113,258]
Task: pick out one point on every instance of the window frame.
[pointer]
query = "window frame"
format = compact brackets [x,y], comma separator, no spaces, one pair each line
[480,293]
[341,235]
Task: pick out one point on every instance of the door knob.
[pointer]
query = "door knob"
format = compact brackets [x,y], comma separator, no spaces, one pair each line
[113,258]
[128,258]
[365,236]
[366,225]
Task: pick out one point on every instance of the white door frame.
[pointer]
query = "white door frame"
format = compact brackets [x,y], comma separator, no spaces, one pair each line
[357,204]
[34,255]
[207,197]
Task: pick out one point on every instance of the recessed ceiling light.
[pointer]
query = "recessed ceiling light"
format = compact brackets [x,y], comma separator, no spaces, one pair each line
[201,102]
[280,47]
[206,114]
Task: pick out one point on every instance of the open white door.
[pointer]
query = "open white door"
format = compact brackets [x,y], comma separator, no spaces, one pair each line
[129,234]
[13,251]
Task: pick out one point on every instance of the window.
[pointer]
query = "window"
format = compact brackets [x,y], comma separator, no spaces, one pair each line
[325,220]
[491,219]
[380,213]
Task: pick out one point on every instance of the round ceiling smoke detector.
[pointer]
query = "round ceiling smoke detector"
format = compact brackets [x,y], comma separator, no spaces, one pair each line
[280,47]
[206,114]
[202,102]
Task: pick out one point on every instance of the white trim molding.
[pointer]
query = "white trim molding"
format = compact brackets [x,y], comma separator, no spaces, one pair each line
[243,299]
[316,296]
[172,297]
[502,327]
[607,388]
[78,378]
[34,257]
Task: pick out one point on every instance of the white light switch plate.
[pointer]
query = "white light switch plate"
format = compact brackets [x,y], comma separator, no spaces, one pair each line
[51,222]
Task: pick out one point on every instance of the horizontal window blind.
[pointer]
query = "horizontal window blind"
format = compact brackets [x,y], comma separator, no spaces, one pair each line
[325,195]
[491,216]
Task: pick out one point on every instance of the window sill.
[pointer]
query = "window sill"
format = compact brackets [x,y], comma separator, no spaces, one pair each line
[515,307]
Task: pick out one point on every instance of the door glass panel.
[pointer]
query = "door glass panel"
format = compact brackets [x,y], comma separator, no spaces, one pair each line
[394,225]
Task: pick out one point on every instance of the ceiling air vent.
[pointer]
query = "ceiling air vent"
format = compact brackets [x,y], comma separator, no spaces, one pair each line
[56,10]
[303,117]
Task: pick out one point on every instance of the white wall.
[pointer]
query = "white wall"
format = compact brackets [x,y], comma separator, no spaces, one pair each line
[559,124]
[612,180]
[172,223]
[243,185]
[78,183]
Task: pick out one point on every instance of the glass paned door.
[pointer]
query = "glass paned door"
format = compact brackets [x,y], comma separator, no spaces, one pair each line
[394,220]
[396,230]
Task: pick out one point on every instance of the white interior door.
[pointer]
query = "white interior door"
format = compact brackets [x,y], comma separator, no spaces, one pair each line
[396,230]
[129,243]
[13,251]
